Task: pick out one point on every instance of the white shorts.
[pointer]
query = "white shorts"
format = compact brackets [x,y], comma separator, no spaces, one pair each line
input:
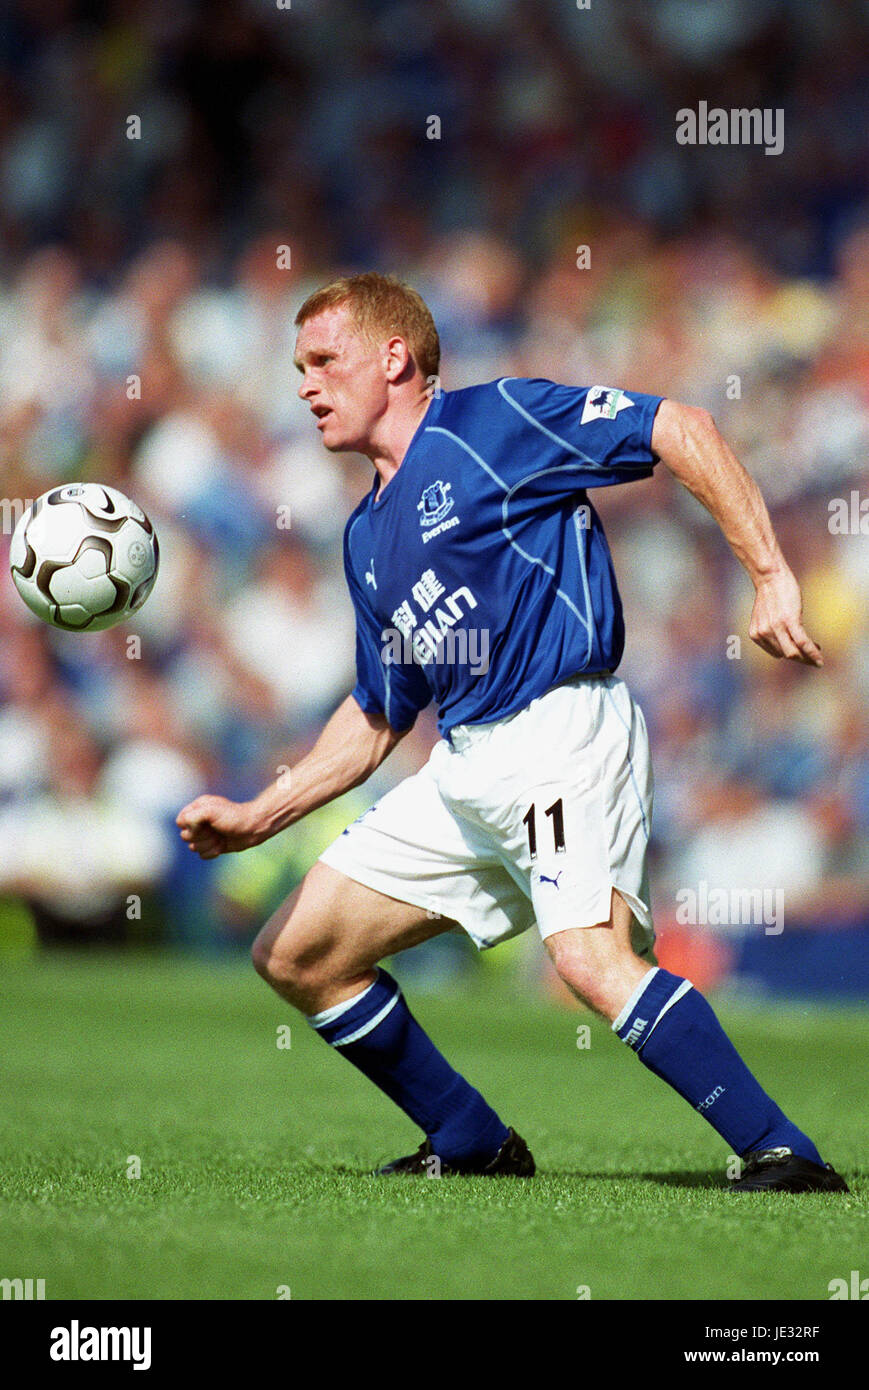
[534,818]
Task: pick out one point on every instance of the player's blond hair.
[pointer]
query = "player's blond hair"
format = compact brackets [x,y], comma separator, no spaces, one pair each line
[382,305]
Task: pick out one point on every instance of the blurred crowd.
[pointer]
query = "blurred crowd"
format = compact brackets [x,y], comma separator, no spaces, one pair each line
[147,294]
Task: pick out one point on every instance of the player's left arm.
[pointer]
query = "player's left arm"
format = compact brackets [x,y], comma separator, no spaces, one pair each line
[688,443]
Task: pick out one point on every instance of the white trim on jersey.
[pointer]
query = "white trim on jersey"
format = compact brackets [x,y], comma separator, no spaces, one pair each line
[526,415]
[530,559]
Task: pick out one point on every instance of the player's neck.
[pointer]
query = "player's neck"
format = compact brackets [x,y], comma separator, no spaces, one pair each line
[391,440]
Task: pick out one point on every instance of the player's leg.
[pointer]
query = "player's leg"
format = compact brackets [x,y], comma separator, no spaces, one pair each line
[676,1034]
[320,952]
[577,831]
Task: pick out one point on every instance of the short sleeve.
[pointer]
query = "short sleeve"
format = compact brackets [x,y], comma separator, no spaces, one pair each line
[397,690]
[599,435]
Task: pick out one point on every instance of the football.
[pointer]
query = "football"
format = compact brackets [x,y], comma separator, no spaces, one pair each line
[84,557]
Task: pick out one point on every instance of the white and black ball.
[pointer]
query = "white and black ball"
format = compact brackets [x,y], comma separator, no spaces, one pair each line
[84,557]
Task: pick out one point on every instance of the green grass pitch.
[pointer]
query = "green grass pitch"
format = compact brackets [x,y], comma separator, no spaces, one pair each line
[253,1156]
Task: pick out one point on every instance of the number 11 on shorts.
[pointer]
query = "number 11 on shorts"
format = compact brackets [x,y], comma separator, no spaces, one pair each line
[556,811]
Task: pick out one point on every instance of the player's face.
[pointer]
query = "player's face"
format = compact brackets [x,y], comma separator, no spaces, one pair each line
[343,379]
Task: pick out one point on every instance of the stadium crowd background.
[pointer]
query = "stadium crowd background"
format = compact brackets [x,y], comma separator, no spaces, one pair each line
[718,276]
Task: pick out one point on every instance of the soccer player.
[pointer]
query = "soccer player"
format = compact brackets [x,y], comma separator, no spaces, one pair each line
[481,579]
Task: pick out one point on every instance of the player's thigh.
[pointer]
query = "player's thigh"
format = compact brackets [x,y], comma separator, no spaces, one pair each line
[332,921]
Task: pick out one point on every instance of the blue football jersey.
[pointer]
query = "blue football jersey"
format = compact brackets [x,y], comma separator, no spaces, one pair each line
[481,576]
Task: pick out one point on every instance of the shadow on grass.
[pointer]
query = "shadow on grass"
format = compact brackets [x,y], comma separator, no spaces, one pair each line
[709,1181]
[706,1181]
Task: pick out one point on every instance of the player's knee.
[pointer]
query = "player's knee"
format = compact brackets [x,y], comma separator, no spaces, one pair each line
[600,978]
[295,962]
[261,955]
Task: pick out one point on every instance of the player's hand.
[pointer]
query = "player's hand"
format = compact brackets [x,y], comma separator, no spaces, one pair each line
[211,825]
[777,620]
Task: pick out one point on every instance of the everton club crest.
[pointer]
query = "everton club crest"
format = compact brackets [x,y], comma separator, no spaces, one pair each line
[434,504]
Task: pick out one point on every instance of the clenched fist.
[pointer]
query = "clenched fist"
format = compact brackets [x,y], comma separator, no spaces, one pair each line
[211,825]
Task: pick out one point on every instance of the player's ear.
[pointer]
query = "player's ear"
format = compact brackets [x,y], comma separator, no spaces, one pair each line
[397,358]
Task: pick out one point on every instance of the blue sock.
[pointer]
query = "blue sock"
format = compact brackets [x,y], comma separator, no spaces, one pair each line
[677,1036]
[377,1033]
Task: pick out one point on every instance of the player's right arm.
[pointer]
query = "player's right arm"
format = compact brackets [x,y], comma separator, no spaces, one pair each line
[350,747]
